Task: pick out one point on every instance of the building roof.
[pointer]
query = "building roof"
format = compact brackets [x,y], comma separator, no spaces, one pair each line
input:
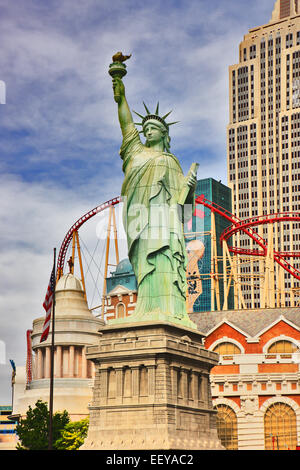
[284,10]
[123,275]
[69,282]
[124,267]
[252,322]
[119,290]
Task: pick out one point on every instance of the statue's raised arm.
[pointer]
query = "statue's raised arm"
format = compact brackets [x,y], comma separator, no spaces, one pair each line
[117,70]
[125,116]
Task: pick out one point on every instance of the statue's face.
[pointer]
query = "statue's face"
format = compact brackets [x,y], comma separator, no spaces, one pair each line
[153,134]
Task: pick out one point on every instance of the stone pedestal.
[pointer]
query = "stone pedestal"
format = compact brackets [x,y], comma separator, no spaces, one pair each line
[151,389]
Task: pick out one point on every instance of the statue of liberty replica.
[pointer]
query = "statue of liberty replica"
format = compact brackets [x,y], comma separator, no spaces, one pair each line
[156,195]
[151,388]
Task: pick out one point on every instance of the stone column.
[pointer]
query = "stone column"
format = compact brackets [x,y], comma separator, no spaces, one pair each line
[65,361]
[92,369]
[195,386]
[151,380]
[39,363]
[103,385]
[185,384]
[135,380]
[58,361]
[47,362]
[83,364]
[77,363]
[119,383]
[71,361]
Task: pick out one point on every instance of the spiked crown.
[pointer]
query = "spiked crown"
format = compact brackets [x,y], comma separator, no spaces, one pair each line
[154,116]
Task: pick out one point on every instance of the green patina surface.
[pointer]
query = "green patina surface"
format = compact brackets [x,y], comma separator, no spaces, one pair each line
[153,183]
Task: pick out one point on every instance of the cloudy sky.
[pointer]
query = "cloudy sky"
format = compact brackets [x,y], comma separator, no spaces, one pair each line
[59,133]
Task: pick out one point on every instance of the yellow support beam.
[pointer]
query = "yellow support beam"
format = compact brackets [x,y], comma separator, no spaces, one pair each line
[73,252]
[80,262]
[106,258]
[115,235]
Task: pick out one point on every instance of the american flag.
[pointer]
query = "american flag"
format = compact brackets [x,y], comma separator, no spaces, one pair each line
[48,305]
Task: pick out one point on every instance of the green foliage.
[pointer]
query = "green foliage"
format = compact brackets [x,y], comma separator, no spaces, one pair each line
[72,437]
[33,430]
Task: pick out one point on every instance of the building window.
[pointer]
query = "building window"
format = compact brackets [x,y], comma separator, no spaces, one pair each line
[253,51]
[280,427]
[289,40]
[227,348]
[120,309]
[227,427]
[282,346]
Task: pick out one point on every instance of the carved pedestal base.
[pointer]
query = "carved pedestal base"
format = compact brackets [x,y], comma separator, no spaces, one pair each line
[151,389]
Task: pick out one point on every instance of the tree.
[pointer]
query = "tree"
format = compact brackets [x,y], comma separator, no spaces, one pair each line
[73,435]
[33,430]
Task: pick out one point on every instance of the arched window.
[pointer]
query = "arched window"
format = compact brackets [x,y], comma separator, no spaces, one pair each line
[282,346]
[227,348]
[280,427]
[120,310]
[227,427]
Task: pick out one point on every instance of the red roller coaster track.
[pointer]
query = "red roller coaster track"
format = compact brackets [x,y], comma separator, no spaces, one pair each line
[235,221]
[66,241]
[237,225]
[246,226]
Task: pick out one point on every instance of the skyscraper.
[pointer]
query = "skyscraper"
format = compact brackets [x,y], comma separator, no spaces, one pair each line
[206,228]
[263,150]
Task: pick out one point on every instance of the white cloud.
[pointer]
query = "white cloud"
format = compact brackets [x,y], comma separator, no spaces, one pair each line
[56,71]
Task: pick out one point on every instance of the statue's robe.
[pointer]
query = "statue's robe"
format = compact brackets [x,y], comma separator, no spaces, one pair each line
[156,246]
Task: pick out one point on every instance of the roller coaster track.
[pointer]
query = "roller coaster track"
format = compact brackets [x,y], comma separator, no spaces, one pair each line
[246,226]
[75,227]
[237,225]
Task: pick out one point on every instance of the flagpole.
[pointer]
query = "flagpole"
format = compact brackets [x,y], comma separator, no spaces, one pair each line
[50,444]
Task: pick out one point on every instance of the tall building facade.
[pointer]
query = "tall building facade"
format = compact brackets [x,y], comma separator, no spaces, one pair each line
[206,228]
[263,149]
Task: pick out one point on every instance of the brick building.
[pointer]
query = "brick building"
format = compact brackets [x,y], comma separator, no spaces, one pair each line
[255,387]
[121,288]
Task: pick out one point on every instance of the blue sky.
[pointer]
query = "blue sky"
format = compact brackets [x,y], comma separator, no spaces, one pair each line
[59,133]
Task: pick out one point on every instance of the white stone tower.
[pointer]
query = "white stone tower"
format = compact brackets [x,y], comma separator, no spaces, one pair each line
[75,328]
